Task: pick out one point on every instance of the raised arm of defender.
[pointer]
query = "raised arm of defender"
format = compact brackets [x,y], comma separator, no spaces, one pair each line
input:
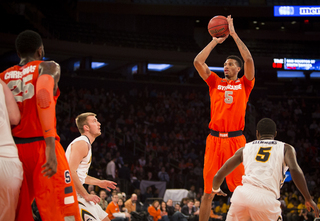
[244,51]
[298,178]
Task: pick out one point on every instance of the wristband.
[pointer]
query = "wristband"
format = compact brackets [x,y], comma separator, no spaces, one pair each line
[216,191]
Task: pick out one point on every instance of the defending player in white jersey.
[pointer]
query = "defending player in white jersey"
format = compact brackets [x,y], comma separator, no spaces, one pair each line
[11,171]
[265,161]
[79,157]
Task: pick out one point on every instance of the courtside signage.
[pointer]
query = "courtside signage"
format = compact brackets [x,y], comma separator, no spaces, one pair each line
[296,11]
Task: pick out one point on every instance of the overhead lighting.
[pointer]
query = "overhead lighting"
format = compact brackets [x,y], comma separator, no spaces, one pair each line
[282,27]
[97,65]
[257,28]
[134,69]
[217,69]
[262,23]
[315,75]
[76,65]
[293,22]
[158,67]
[255,22]
[197,21]
[290,74]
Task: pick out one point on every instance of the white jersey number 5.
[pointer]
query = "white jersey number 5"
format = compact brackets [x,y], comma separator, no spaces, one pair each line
[228,99]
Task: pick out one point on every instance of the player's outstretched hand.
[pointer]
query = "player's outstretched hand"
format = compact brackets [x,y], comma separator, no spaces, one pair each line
[50,167]
[106,184]
[311,204]
[93,198]
[231,26]
[220,193]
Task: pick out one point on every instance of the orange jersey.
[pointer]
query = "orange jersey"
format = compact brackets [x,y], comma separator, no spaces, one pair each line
[156,214]
[228,102]
[22,82]
[112,208]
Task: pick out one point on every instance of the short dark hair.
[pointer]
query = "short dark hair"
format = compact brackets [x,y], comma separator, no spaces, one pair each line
[28,42]
[238,60]
[267,126]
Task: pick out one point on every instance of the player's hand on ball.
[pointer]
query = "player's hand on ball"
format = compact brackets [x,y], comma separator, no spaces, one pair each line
[220,40]
[106,184]
[93,198]
[231,26]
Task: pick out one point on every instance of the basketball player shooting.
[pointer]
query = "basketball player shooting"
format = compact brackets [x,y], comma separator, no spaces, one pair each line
[229,97]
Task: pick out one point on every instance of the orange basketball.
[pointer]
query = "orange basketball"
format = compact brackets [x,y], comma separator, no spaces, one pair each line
[218,26]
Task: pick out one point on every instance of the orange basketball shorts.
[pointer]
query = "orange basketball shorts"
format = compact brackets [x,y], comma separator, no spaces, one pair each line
[218,151]
[56,196]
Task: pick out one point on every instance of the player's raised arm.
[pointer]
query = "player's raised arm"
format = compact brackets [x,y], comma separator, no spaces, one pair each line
[200,60]
[46,87]
[244,51]
[298,178]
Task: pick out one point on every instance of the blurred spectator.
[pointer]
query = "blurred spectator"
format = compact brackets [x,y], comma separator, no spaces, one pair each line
[164,213]
[142,161]
[191,193]
[124,172]
[147,194]
[177,207]
[111,169]
[130,204]
[90,188]
[174,213]
[197,205]
[122,208]
[214,216]
[103,199]
[222,209]
[114,212]
[190,211]
[155,211]
[163,175]
[184,201]
[292,207]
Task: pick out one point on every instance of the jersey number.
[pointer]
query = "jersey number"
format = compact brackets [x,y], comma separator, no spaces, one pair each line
[67,177]
[18,86]
[263,154]
[228,99]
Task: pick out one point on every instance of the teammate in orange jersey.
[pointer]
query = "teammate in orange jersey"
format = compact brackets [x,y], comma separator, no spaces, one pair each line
[229,97]
[34,84]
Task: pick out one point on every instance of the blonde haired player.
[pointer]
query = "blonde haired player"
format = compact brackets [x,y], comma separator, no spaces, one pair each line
[79,155]
[265,161]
